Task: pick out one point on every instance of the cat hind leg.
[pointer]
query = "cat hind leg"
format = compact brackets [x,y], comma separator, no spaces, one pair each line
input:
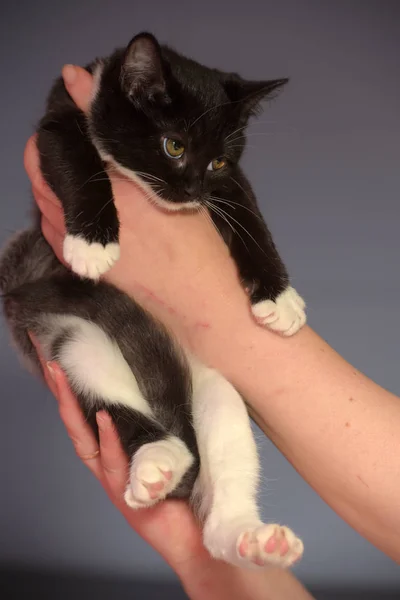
[101,378]
[225,492]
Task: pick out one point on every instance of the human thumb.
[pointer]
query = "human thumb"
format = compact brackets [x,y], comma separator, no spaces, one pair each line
[79,84]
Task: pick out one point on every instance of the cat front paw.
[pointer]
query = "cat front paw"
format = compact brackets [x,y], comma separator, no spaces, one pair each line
[89,260]
[285,315]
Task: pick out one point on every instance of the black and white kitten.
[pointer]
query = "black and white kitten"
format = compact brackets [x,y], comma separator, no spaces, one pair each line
[176,128]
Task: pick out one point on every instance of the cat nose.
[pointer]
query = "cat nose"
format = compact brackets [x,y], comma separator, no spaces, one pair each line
[191,190]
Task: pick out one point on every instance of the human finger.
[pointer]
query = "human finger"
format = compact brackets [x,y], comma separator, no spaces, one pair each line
[50,210]
[32,168]
[44,364]
[54,238]
[79,84]
[78,429]
[113,458]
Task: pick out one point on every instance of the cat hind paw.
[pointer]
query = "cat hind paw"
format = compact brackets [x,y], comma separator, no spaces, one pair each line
[157,469]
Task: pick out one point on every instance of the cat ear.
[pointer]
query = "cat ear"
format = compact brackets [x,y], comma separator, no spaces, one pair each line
[142,70]
[249,94]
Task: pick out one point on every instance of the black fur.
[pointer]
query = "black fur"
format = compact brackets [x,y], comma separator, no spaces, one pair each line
[35,286]
[147,92]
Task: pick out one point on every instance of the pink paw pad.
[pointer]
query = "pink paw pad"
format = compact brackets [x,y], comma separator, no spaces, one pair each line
[244,546]
[277,543]
[270,545]
[265,319]
[154,488]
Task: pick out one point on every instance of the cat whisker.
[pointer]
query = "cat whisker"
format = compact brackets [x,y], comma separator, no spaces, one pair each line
[222,201]
[205,112]
[234,204]
[218,106]
[91,223]
[209,219]
[225,216]
[79,127]
[260,133]
[244,127]
[242,188]
[224,104]
[106,179]
[228,216]
[243,146]
[153,184]
[150,176]
[244,229]
[221,214]
[236,131]
[91,178]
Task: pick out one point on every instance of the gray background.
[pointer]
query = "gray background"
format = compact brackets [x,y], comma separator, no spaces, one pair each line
[324,160]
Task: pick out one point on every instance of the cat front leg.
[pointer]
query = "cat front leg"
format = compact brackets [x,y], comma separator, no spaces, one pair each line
[225,491]
[274,302]
[286,314]
[73,169]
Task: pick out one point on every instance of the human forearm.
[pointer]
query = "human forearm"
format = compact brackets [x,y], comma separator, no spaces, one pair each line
[170,527]
[215,581]
[337,427]
[300,387]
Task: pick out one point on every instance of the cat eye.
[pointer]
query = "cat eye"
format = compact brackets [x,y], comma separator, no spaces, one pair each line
[216,164]
[173,148]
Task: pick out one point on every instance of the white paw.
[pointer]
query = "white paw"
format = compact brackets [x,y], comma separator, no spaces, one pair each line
[89,260]
[257,545]
[156,470]
[286,315]
[270,545]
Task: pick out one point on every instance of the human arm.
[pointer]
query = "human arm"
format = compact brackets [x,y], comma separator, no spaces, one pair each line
[337,427]
[169,527]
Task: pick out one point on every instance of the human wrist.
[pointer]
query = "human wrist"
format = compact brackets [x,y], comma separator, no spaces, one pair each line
[258,362]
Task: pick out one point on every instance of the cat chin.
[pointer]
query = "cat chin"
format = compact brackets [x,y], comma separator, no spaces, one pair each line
[191,206]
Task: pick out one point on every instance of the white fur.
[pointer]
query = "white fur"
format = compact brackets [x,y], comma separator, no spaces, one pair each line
[227,485]
[156,469]
[286,315]
[95,365]
[89,260]
[150,193]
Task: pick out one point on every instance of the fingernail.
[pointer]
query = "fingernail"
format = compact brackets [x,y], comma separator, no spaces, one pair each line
[51,371]
[102,421]
[69,74]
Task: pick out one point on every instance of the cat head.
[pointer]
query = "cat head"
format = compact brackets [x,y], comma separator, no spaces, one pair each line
[174,124]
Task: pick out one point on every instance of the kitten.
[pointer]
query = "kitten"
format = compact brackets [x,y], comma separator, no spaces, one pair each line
[176,128]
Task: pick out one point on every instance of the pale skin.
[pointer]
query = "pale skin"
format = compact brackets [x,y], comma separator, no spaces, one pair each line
[337,427]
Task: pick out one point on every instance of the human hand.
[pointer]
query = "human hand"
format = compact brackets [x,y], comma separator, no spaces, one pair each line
[169,527]
[184,274]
